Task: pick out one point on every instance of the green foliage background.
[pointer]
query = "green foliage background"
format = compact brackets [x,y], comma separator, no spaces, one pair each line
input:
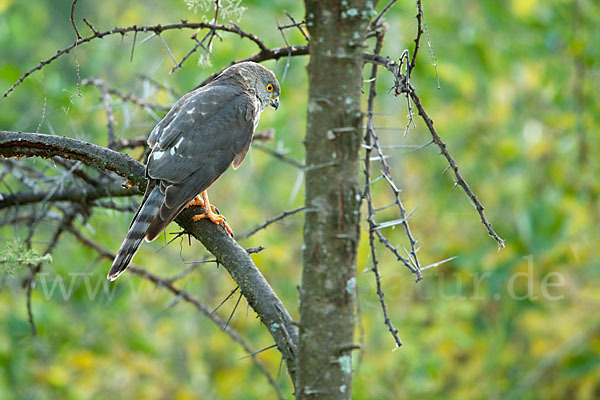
[516,106]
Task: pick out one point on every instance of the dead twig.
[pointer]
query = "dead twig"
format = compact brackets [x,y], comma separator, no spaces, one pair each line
[185,296]
[107,101]
[453,165]
[367,194]
[393,66]
[73,21]
[156,29]
[270,221]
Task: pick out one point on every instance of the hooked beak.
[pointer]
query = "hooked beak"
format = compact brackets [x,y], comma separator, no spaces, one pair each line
[275,103]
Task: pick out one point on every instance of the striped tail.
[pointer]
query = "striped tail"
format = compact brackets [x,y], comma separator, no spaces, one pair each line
[148,210]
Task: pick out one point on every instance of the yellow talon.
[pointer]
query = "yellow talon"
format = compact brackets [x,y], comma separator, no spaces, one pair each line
[210,212]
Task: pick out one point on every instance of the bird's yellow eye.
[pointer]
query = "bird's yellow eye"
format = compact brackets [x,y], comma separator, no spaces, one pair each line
[269,87]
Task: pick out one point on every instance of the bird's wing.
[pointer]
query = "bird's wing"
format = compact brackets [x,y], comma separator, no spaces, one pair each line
[197,143]
[212,119]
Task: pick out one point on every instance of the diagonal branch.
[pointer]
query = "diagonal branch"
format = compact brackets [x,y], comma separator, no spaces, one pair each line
[185,296]
[123,96]
[267,54]
[393,67]
[368,138]
[226,250]
[459,178]
[270,221]
[252,283]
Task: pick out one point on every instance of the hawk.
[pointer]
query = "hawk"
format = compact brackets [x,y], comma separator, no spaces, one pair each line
[205,132]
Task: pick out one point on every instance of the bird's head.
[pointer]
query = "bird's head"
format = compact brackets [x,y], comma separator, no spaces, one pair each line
[257,79]
[267,87]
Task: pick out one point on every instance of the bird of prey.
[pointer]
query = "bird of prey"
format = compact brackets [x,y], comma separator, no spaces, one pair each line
[205,132]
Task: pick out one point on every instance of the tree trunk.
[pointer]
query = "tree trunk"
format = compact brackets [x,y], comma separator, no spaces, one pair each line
[331,232]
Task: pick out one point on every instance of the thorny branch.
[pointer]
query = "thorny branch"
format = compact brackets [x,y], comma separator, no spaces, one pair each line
[226,251]
[375,23]
[73,21]
[65,223]
[270,221]
[234,258]
[393,67]
[107,101]
[411,65]
[123,96]
[157,30]
[369,142]
[23,144]
[185,296]
[263,55]
[453,165]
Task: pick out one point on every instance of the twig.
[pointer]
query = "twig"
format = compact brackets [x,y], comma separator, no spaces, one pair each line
[89,24]
[185,296]
[375,23]
[227,251]
[28,282]
[278,155]
[392,66]
[270,221]
[156,29]
[73,21]
[296,24]
[107,101]
[188,54]
[459,178]
[371,214]
[411,65]
[399,257]
[74,194]
[29,310]
[412,262]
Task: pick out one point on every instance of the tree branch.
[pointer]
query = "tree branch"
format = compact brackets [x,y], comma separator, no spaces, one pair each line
[263,55]
[185,296]
[232,256]
[459,178]
[83,194]
[157,29]
[252,283]
[393,67]
[22,144]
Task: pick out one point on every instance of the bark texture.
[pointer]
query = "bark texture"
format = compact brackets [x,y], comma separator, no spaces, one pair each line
[333,137]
